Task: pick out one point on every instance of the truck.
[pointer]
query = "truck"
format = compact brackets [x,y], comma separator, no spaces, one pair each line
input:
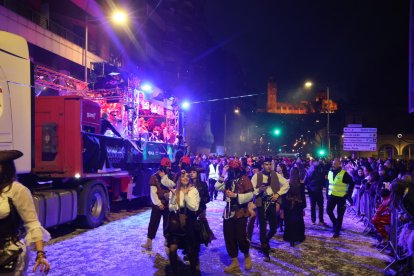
[62,145]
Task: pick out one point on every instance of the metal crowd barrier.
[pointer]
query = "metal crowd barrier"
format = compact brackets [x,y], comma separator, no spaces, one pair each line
[354,208]
[394,232]
[367,206]
[368,209]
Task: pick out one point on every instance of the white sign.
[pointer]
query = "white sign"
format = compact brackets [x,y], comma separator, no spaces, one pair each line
[359,134]
[360,129]
[360,147]
[359,140]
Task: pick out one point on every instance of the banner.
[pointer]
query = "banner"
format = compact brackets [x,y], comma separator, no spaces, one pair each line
[124,154]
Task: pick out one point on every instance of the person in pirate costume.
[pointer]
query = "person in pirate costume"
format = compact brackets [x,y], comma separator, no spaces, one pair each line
[183,165]
[268,189]
[294,204]
[202,187]
[17,210]
[203,191]
[239,192]
[160,185]
[181,232]
[256,167]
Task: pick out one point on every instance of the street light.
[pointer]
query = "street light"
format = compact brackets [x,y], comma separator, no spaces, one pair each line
[309,85]
[236,111]
[118,17]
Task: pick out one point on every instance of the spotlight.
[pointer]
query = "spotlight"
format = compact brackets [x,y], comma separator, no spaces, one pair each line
[185,105]
[147,87]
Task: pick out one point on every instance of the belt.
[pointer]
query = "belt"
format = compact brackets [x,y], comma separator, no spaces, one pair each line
[267,198]
[4,242]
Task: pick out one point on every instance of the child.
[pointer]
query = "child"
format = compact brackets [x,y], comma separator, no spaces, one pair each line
[382,215]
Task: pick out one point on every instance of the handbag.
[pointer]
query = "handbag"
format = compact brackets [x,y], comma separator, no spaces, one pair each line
[9,259]
[204,234]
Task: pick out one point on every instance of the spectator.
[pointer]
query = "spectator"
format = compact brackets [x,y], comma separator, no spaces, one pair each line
[315,181]
[204,164]
[358,177]
[382,216]
[213,175]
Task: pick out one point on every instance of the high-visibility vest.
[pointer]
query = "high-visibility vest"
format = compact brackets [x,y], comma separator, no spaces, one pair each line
[336,186]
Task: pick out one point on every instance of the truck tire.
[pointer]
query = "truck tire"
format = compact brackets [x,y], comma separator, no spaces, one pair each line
[95,204]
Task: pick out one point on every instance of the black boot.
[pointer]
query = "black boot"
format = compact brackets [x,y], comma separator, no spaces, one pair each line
[266,250]
[174,262]
[281,225]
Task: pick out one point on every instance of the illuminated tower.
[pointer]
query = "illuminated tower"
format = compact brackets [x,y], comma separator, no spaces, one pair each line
[271,95]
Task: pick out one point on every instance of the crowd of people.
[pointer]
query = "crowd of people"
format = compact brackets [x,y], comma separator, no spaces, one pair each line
[264,191]
[271,191]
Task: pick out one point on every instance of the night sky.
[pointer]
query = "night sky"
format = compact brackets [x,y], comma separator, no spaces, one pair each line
[357,48]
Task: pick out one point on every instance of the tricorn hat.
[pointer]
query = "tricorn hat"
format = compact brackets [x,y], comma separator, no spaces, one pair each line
[166,162]
[186,160]
[235,164]
[9,155]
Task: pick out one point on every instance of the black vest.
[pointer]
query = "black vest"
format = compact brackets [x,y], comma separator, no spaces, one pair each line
[274,184]
[11,226]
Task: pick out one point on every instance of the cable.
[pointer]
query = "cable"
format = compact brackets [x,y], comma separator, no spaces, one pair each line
[228,98]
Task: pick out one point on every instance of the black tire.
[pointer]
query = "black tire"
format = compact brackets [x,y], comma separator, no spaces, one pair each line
[95,204]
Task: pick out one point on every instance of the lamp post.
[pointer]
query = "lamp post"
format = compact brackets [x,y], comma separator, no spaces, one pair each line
[309,85]
[118,17]
[85,56]
[235,111]
[327,123]
[225,132]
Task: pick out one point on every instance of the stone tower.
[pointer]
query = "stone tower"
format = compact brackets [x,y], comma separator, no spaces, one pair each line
[271,95]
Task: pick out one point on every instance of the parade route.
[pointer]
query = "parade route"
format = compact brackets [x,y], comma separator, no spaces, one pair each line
[114,249]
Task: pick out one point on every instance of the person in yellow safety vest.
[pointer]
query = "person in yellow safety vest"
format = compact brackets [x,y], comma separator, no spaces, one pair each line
[341,186]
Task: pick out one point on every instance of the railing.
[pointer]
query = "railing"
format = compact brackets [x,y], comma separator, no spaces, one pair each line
[367,209]
[43,21]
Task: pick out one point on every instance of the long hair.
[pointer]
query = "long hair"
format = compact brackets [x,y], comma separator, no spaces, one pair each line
[294,193]
[294,181]
[196,180]
[178,188]
[7,175]
[284,170]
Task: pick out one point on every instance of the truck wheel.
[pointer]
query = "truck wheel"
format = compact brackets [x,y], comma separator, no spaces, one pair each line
[95,204]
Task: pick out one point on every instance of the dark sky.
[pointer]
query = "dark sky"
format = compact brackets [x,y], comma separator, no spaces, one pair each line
[358,48]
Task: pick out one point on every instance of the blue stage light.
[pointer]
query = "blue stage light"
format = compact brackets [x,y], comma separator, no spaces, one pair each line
[147,87]
[185,105]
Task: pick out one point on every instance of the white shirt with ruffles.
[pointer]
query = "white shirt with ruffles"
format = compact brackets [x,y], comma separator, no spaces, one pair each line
[191,200]
[23,202]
